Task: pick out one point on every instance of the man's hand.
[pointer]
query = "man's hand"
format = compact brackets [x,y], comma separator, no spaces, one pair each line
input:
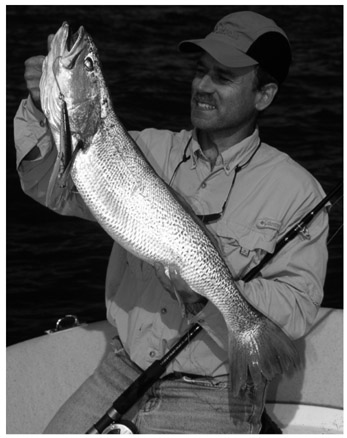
[33,73]
[32,76]
[175,284]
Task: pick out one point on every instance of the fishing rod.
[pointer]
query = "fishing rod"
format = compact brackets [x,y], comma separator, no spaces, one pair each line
[111,422]
[293,232]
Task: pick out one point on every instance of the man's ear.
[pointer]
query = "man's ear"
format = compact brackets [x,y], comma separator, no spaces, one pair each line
[265,96]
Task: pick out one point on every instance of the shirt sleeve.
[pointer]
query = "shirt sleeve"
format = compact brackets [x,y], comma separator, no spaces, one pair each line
[31,130]
[289,290]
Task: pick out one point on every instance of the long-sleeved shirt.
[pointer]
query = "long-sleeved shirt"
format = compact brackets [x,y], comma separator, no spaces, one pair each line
[270,194]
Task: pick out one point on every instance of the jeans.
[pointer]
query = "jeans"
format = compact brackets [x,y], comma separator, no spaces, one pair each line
[175,404]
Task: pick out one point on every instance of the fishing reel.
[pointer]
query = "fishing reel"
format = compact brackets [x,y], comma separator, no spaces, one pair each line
[121,427]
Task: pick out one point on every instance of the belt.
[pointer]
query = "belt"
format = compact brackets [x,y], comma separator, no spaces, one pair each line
[175,375]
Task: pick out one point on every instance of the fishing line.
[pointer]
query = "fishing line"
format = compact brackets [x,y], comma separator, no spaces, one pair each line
[337,200]
[335,234]
[61,96]
[331,238]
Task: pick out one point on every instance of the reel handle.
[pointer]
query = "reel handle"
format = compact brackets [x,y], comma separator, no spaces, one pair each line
[121,427]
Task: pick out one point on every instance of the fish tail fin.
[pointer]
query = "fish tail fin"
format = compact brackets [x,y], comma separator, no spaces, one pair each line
[261,353]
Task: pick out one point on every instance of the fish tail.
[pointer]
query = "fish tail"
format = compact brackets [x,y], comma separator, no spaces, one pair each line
[260,354]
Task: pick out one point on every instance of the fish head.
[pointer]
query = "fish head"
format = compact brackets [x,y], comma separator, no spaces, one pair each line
[72,74]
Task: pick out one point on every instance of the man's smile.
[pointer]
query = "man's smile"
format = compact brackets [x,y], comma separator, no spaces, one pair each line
[203,104]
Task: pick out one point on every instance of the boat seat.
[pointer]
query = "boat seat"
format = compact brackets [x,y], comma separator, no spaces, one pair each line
[43,372]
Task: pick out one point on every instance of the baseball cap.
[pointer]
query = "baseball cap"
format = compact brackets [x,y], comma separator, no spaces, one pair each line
[246,38]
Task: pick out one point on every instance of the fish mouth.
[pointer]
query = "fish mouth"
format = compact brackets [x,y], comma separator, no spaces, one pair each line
[72,40]
[69,44]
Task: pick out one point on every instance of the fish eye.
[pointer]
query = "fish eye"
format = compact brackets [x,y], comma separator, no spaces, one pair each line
[88,63]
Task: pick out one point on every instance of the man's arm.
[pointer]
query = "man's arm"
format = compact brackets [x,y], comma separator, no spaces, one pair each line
[36,153]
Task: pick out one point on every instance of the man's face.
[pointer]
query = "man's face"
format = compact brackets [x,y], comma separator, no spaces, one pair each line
[223,98]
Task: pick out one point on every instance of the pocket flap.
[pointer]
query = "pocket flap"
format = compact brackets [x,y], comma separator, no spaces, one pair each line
[262,235]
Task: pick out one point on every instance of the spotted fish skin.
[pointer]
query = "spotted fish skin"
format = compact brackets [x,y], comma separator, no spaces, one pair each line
[138,210]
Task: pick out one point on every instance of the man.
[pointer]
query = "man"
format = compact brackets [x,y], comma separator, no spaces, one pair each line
[248,193]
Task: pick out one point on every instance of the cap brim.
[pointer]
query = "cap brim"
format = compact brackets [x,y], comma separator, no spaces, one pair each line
[222,52]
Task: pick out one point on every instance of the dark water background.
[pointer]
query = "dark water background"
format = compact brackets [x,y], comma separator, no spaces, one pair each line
[56,265]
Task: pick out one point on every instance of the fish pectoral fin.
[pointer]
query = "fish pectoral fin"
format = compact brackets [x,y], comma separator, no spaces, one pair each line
[260,354]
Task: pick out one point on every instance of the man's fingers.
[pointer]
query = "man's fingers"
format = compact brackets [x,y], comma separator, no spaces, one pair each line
[164,280]
[159,269]
[178,282]
[160,272]
[34,62]
[33,71]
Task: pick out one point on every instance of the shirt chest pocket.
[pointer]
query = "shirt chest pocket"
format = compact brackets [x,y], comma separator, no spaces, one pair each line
[244,246]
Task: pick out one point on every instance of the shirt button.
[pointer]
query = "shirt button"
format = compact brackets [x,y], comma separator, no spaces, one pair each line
[163,310]
[152,353]
[42,123]
[203,185]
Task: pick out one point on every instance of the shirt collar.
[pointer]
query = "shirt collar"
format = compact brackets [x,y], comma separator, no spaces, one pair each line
[236,155]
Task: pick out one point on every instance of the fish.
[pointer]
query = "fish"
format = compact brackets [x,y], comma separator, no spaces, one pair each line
[141,212]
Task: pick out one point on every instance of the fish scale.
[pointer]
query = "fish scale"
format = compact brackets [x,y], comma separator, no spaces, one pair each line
[140,212]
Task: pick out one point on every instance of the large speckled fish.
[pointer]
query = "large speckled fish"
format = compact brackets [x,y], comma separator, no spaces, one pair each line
[137,208]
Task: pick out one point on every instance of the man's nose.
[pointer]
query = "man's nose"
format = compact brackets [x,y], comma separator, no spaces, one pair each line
[204,84]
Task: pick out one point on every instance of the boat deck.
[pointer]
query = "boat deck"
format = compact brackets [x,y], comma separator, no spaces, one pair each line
[43,372]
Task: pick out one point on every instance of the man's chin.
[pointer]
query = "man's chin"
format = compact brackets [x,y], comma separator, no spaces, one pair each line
[202,123]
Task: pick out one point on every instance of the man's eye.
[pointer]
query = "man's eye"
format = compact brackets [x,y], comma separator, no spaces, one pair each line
[200,71]
[222,78]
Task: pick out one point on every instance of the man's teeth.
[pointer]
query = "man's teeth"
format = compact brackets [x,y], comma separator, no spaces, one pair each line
[206,106]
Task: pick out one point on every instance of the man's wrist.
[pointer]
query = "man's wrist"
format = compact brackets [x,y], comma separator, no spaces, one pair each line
[35,109]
